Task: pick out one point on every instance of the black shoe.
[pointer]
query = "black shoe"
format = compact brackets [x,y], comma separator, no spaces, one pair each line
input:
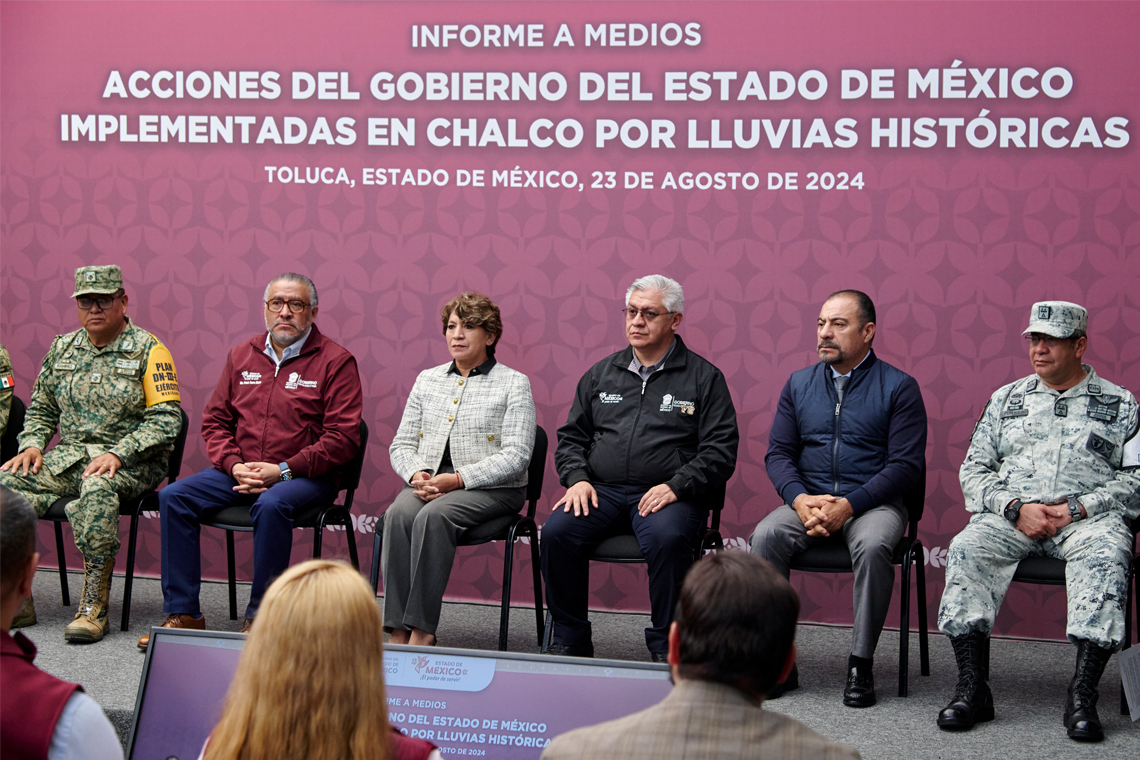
[860,691]
[659,657]
[571,650]
[791,683]
[973,702]
[1081,718]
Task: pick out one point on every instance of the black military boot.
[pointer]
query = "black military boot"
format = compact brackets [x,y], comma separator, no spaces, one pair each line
[1081,718]
[972,702]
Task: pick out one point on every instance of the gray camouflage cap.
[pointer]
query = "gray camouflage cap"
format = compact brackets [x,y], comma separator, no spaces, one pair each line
[103,280]
[1057,318]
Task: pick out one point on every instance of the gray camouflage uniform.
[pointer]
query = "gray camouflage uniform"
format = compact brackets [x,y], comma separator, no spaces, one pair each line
[96,397]
[1037,445]
[6,385]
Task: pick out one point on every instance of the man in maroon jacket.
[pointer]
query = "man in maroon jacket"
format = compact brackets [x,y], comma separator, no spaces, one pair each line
[284,418]
[40,715]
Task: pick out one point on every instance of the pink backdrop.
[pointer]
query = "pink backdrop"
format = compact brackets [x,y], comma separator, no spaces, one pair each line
[953,243]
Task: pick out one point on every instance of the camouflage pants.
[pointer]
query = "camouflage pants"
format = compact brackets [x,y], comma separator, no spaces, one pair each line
[94,516]
[983,557]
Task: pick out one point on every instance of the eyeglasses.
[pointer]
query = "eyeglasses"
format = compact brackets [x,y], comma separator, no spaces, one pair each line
[1034,339]
[646,314]
[105,302]
[275,305]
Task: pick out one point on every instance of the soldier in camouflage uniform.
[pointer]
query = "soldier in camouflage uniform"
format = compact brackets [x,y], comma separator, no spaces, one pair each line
[7,382]
[111,388]
[1052,471]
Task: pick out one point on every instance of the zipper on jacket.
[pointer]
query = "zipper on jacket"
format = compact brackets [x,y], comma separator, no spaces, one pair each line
[835,446]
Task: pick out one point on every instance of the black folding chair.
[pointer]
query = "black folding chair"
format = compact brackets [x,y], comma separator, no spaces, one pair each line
[237,519]
[834,557]
[506,529]
[623,548]
[8,444]
[147,502]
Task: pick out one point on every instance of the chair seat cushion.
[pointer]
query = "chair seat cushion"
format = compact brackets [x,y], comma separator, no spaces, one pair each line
[56,512]
[1040,570]
[231,518]
[622,548]
[495,530]
[833,557]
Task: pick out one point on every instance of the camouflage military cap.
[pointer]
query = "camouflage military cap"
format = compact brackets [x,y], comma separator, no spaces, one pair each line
[105,280]
[1057,318]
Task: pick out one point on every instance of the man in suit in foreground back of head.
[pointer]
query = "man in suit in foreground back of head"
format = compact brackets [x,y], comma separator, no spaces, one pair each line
[730,643]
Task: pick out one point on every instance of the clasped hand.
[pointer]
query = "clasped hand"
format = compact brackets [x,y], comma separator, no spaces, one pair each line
[428,488]
[1038,521]
[824,514]
[255,477]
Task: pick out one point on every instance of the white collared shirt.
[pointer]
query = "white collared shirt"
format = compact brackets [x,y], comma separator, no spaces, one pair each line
[289,351]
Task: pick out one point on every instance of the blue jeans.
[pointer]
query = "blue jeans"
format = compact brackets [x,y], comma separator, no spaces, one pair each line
[668,540]
[181,507]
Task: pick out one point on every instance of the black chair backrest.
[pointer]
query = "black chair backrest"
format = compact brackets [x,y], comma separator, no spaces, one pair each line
[8,446]
[174,464]
[536,470]
[350,478]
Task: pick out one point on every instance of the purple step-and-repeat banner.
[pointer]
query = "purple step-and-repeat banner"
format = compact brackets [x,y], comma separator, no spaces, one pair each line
[957,161]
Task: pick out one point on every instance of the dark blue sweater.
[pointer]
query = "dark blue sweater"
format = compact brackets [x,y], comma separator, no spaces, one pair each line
[881,429]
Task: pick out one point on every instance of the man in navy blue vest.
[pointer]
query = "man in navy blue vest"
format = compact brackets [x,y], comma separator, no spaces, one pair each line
[848,440]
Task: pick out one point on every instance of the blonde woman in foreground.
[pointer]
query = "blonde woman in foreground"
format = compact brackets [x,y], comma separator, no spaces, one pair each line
[310,683]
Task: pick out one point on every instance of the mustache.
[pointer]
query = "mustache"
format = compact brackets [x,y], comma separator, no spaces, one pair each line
[827,344]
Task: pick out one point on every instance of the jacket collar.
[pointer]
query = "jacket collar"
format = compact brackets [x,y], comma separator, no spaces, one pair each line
[856,374]
[17,645]
[679,357]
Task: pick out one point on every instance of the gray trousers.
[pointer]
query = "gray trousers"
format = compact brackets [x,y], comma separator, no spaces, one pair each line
[419,548]
[870,537]
[983,557]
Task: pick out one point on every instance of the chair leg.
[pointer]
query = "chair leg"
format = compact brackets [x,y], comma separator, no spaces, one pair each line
[377,547]
[923,626]
[904,624]
[317,536]
[350,534]
[232,566]
[505,612]
[536,568]
[62,565]
[548,632]
[129,580]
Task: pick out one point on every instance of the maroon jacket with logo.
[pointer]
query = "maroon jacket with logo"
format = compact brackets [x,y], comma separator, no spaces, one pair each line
[30,700]
[307,413]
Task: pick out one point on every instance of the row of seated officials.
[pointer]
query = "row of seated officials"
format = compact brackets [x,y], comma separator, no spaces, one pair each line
[1053,469]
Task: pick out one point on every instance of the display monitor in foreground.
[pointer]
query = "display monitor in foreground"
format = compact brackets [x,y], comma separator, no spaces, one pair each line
[467,702]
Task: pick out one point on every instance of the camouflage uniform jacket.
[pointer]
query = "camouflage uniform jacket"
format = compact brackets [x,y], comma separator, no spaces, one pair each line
[6,385]
[98,397]
[1037,445]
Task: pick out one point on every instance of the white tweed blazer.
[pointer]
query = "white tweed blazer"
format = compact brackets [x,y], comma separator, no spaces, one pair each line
[489,418]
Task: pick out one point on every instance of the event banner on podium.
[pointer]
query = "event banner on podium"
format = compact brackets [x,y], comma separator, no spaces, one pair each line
[958,161]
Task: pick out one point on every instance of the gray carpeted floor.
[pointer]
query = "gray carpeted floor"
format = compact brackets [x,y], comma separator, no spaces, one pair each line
[1028,678]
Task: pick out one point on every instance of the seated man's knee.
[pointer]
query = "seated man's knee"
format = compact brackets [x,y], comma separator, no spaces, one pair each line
[766,538]
[269,506]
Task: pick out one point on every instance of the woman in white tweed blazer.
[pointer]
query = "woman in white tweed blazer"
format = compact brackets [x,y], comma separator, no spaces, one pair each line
[462,449]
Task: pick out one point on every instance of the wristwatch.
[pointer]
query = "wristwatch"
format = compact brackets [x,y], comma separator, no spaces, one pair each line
[1013,511]
[286,473]
[1074,508]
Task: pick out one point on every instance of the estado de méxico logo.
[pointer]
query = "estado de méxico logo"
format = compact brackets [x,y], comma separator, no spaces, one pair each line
[609,398]
[295,381]
[669,403]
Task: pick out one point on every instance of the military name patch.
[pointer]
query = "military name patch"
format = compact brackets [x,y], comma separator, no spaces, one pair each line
[1104,408]
[64,366]
[128,363]
[1009,413]
[125,371]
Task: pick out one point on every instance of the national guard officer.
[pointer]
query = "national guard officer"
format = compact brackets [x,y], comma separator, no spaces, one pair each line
[112,389]
[1053,470]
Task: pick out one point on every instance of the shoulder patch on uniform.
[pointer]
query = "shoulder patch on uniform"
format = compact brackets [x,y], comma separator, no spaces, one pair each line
[161,379]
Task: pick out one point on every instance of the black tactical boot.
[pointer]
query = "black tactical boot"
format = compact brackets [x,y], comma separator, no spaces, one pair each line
[1080,706]
[972,702]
